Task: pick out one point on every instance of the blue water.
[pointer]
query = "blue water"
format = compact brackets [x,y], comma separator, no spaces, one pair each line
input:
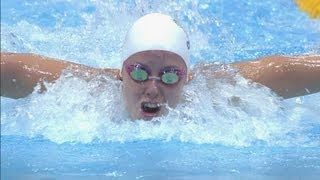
[78,131]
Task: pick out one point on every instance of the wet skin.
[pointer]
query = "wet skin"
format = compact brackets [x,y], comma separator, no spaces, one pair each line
[152,91]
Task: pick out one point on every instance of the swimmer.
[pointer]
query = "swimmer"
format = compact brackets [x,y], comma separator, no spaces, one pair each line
[156,67]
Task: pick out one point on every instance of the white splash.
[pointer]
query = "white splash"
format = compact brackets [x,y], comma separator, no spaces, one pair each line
[74,110]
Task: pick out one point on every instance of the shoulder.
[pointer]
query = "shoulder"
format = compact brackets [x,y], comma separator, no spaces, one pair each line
[214,70]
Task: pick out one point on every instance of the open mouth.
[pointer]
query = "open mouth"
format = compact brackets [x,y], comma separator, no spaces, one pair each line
[150,108]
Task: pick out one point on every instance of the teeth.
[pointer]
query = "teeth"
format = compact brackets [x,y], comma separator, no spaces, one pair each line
[151,105]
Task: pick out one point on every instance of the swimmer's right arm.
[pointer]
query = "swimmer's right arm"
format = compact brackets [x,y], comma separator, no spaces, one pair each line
[20,73]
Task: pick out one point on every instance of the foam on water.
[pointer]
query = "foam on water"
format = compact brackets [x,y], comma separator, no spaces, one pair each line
[74,110]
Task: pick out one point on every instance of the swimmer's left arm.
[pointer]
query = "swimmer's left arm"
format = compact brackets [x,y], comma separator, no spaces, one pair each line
[287,76]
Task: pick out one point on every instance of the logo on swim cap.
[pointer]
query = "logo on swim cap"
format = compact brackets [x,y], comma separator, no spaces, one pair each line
[156,31]
[188,42]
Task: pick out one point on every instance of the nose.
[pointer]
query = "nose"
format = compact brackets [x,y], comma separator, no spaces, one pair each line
[152,90]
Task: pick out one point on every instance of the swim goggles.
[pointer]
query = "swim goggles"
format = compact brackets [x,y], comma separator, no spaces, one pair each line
[169,75]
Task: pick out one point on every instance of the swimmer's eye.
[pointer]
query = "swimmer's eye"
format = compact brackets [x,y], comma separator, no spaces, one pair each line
[139,74]
[169,78]
[171,75]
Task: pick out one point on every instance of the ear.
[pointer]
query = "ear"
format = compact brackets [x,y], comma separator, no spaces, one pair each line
[190,76]
[120,76]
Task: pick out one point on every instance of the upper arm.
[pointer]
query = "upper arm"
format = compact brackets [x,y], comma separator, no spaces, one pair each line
[287,76]
[20,73]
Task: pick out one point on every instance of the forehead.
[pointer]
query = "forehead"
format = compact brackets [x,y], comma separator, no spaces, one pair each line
[157,58]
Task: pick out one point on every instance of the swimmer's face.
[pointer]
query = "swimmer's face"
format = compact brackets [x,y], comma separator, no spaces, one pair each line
[148,98]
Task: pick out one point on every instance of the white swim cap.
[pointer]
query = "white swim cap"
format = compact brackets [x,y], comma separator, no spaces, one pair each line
[156,31]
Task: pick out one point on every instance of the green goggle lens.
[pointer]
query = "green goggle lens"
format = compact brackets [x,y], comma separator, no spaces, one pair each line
[170,78]
[139,75]
[166,77]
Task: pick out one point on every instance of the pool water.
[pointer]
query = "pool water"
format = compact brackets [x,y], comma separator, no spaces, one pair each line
[79,131]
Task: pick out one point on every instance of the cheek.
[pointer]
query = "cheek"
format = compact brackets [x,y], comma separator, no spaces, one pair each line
[131,91]
[173,95]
